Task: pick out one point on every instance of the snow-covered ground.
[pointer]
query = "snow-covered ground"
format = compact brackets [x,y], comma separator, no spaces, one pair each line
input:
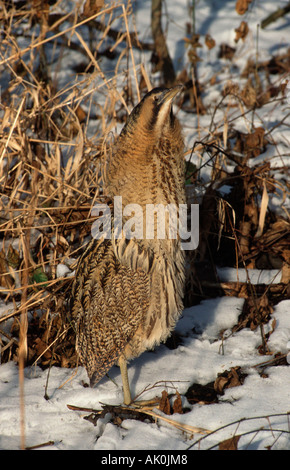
[201,356]
[204,351]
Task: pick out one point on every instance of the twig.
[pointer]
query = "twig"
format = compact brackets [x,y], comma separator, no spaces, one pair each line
[239,421]
[131,51]
[47,348]
[55,36]
[82,408]
[38,446]
[181,426]
[275,16]
[159,383]
[144,410]
[12,128]
[22,350]
[162,52]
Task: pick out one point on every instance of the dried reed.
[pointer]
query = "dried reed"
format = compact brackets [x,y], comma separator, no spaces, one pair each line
[55,135]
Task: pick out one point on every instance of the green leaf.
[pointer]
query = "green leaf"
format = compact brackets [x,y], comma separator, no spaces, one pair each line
[39,276]
[190,170]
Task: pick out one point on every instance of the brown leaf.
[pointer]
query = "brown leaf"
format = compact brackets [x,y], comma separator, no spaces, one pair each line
[256,312]
[255,140]
[91,7]
[209,41]
[273,325]
[6,280]
[177,405]
[64,361]
[241,31]
[230,444]
[13,257]
[41,9]
[40,346]
[220,383]
[286,267]
[81,114]
[249,95]
[228,379]
[230,88]
[193,56]
[234,378]
[193,40]
[226,51]
[164,404]
[242,6]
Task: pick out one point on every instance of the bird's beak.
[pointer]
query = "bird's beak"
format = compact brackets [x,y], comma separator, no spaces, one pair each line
[169,94]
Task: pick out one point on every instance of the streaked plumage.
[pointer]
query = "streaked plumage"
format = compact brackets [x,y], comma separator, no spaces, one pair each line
[127,294]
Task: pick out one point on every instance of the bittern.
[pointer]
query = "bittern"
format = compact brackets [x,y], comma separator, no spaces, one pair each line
[127,294]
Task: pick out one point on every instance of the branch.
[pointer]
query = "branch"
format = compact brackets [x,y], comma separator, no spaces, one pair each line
[164,60]
[275,16]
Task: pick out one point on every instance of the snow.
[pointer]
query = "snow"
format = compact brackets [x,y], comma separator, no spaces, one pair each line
[208,345]
[256,276]
[201,356]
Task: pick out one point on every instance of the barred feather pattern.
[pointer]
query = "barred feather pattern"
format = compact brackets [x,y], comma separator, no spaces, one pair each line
[127,294]
[103,294]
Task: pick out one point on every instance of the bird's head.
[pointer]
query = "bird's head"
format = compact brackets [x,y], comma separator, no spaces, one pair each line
[153,114]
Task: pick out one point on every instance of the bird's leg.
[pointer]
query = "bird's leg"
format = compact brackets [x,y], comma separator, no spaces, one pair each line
[126,388]
[125,380]
[152,403]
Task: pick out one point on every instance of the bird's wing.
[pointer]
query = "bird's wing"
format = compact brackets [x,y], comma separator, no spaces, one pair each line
[109,301]
[135,254]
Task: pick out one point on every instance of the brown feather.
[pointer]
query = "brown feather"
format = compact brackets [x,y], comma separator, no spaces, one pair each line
[127,294]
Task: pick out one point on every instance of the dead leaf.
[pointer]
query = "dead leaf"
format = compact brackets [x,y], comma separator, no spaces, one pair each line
[249,95]
[255,141]
[237,378]
[230,444]
[228,379]
[273,325]
[209,41]
[91,7]
[242,6]
[193,40]
[41,348]
[226,51]
[81,114]
[255,313]
[220,384]
[276,65]
[193,56]
[41,9]
[177,404]
[242,31]
[164,404]
[286,267]
[230,88]
[13,257]
[6,280]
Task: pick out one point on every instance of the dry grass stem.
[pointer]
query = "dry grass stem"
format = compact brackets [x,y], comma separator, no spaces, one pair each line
[68,83]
